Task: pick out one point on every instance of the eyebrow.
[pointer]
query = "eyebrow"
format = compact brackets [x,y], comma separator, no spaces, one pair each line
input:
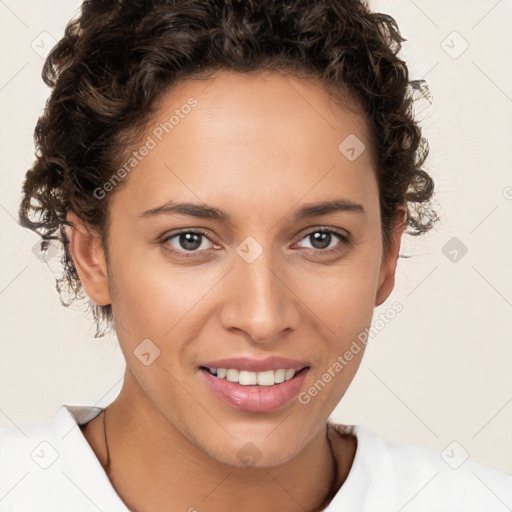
[208,212]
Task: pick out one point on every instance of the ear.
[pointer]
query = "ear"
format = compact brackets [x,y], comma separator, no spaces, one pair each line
[389,261]
[89,260]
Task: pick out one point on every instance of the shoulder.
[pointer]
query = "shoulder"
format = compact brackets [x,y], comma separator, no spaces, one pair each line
[48,465]
[389,475]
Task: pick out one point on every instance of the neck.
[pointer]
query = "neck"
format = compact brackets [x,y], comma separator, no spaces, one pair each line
[141,446]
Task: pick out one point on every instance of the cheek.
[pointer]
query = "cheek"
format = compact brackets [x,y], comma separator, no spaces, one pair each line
[343,296]
[340,300]
[343,305]
[151,295]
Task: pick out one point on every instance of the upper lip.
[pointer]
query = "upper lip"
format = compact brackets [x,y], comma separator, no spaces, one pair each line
[256,365]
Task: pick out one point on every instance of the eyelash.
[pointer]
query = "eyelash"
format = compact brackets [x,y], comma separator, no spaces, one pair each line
[345,240]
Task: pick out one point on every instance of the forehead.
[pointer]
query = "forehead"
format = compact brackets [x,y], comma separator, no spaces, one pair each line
[254,141]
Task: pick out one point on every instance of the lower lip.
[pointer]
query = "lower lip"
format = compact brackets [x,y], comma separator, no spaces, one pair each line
[255,398]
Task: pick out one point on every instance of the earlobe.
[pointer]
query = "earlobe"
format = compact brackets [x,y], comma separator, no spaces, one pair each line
[89,259]
[389,262]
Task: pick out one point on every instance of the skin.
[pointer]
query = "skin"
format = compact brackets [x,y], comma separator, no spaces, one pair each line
[258,147]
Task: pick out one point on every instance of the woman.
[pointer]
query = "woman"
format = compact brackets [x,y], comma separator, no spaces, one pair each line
[231,181]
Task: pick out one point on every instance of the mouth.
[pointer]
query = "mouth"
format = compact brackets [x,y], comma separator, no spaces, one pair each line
[247,378]
[255,386]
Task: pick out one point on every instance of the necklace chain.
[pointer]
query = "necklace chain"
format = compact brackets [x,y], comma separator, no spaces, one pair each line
[328,498]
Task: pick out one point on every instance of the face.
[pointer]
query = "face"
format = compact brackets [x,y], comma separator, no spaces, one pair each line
[249,281]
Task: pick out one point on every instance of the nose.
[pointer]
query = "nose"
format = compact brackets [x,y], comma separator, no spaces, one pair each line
[259,300]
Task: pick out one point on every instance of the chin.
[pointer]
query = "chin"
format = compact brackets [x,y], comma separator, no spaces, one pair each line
[257,446]
[253,454]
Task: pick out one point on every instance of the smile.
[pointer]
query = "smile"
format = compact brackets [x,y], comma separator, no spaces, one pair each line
[246,378]
[255,386]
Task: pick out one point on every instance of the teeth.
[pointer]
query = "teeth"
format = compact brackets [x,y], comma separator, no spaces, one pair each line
[232,375]
[245,378]
[289,374]
[279,376]
[266,378]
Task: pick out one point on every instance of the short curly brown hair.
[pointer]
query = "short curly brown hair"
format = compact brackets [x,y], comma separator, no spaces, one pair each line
[118,57]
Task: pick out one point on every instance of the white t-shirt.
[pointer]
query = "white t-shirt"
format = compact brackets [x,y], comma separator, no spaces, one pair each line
[50,466]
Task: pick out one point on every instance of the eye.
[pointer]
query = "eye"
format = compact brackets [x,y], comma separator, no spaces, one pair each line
[324,240]
[187,242]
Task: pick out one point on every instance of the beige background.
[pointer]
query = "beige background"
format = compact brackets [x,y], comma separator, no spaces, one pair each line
[440,371]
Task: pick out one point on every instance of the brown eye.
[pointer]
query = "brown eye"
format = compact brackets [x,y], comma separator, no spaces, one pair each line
[321,239]
[326,240]
[187,242]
